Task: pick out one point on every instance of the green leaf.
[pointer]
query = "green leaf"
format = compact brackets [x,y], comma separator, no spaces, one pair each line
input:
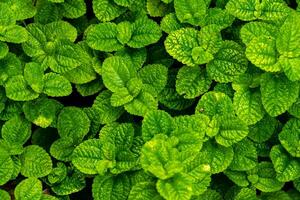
[294,110]
[160,157]
[278,93]
[107,187]
[126,95]
[73,122]
[58,174]
[218,17]
[228,63]
[216,156]
[106,10]
[232,130]
[289,137]
[11,66]
[90,88]
[73,8]
[180,44]
[261,51]
[16,130]
[21,9]
[17,89]
[244,10]
[29,189]
[72,184]
[156,122]
[238,177]
[60,30]
[144,191]
[42,112]
[124,32]
[214,103]
[105,112]
[178,187]
[156,72]
[256,29]
[209,195]
[157,8]
[14,34]
[192,82]
[88,156]
[35,162]
[246,194]
[33,74]
[263,130]
[3,49]
[6,167]
[63,148]
[103,37]
[116,72]
[47,12]
[170,23]
[4,195]
[274,10]
[190,11]
[288,41]
[34,45]
[56,85]
[142,104]
[287,168]
[263,177]
[245,156]
[144,32]
[248,106]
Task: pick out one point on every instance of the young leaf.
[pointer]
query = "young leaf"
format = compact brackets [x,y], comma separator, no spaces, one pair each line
[192,82]
[190,14]
[56,85]
[180,44]
[6,167]
[103,37]
[287,168]
[144,32]
[29,189]
[73,122]
[108,187]
[17,89]
[278,93]
[228,63]
[289,137]
[35,162]
[116,72]
[17,130]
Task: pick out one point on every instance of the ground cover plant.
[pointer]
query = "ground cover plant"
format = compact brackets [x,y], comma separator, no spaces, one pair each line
[149,100]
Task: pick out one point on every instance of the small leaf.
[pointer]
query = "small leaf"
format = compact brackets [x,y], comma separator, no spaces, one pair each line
[17,89]
[278,93]
[17,130]
[103,37]
[289,137]
[35,162]
[106,10]
[73,122]
[56,85]
[29,189]
[33,74]
[287,168]
[156,122]
[144,32]
[192,82]
[190,14]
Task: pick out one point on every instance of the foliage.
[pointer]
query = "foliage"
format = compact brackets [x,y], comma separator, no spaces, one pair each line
[149,99]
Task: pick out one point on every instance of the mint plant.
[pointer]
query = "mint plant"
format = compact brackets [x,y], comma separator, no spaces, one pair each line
[149,100]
